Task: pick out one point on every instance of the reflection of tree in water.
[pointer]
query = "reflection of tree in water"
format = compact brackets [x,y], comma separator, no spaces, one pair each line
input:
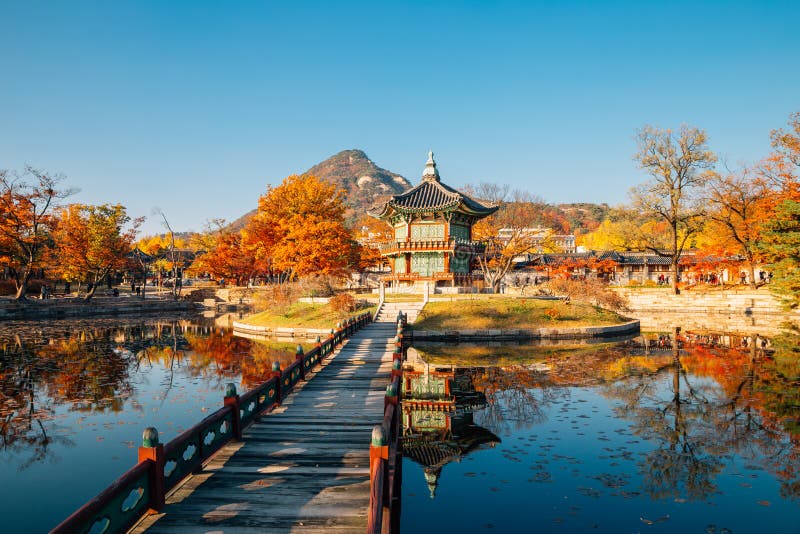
[22,415]
[85,367]
[517,397]
[698,419]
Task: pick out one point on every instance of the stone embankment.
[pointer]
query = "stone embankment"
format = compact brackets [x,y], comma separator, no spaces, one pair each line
[734,310]
[65,308]
[584,332]
[280,333]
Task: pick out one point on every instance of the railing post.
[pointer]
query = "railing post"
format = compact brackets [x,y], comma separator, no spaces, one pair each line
[397,368]
[378,456]
[232,399]
[276,373]
[151,449]
[379,448]
[298,356]
[391,395]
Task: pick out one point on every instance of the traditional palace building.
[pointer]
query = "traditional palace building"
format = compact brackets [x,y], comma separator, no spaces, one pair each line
[432,225]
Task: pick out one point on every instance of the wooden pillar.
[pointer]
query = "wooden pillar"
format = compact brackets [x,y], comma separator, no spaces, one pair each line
[276,373]
[232,399]
[298,356]
[152,450]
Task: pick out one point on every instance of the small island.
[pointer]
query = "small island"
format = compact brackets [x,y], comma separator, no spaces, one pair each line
[304,319]
[505,318]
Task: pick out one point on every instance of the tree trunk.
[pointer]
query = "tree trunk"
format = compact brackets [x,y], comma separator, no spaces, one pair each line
[752,270]
[90,293]
[675,258]
[22,285]
[673,268]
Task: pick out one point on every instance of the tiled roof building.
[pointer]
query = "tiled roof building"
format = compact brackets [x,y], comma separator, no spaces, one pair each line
[432,225]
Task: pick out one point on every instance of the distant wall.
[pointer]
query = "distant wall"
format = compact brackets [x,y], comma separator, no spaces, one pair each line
[734,310]
[67,308]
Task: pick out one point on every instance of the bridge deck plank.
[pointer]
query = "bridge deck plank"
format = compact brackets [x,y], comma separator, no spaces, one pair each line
[304,467]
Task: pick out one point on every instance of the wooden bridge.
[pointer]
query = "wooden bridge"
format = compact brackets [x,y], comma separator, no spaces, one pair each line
[302,467]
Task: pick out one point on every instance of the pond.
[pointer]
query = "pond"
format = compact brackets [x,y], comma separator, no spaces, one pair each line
[700,437]
[76,395]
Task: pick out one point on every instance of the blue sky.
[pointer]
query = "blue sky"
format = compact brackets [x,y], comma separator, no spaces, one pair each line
[195,107]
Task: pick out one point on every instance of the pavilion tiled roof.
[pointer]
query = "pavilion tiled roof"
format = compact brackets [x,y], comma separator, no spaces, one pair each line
[435,196]
[432,195]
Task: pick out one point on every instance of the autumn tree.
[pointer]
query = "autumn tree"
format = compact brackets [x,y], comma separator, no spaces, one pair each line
[371,232]
[90,242]
[622,230]
[679,164]
[27,202]
[299,230]
[786,159]
[738,203]
[172,264]
[225,257]
[511,232]
[781,233]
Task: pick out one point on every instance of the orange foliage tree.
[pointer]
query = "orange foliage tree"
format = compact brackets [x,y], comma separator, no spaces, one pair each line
[90,242]
[738,206]
[299,230]
[226,258]
[371,232]
[781,232]
[26,205]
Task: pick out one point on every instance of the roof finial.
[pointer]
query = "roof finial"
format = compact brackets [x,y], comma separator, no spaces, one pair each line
[430,173]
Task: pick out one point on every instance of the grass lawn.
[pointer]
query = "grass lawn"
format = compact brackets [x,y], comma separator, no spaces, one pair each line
[511,313]
[502,355]
[303,315]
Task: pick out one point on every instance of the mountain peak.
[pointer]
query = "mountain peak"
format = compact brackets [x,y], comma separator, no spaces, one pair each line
[364,183]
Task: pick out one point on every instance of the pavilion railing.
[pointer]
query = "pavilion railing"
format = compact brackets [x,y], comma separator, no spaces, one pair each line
[161,467]
[385,454]
[431,245]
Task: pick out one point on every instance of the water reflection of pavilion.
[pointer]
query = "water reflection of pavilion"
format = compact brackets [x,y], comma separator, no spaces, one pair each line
[438,427]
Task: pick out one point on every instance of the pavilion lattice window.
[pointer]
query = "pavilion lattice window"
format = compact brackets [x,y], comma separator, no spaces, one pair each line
[428,387]
[428,419]
[427,263]
[429,232]
[400,265]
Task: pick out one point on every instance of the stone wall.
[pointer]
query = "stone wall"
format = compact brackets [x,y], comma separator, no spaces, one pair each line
[71,307]
[734,310]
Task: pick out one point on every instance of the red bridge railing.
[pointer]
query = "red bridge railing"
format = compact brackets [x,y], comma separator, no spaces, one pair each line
[161,467]
[385,454]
